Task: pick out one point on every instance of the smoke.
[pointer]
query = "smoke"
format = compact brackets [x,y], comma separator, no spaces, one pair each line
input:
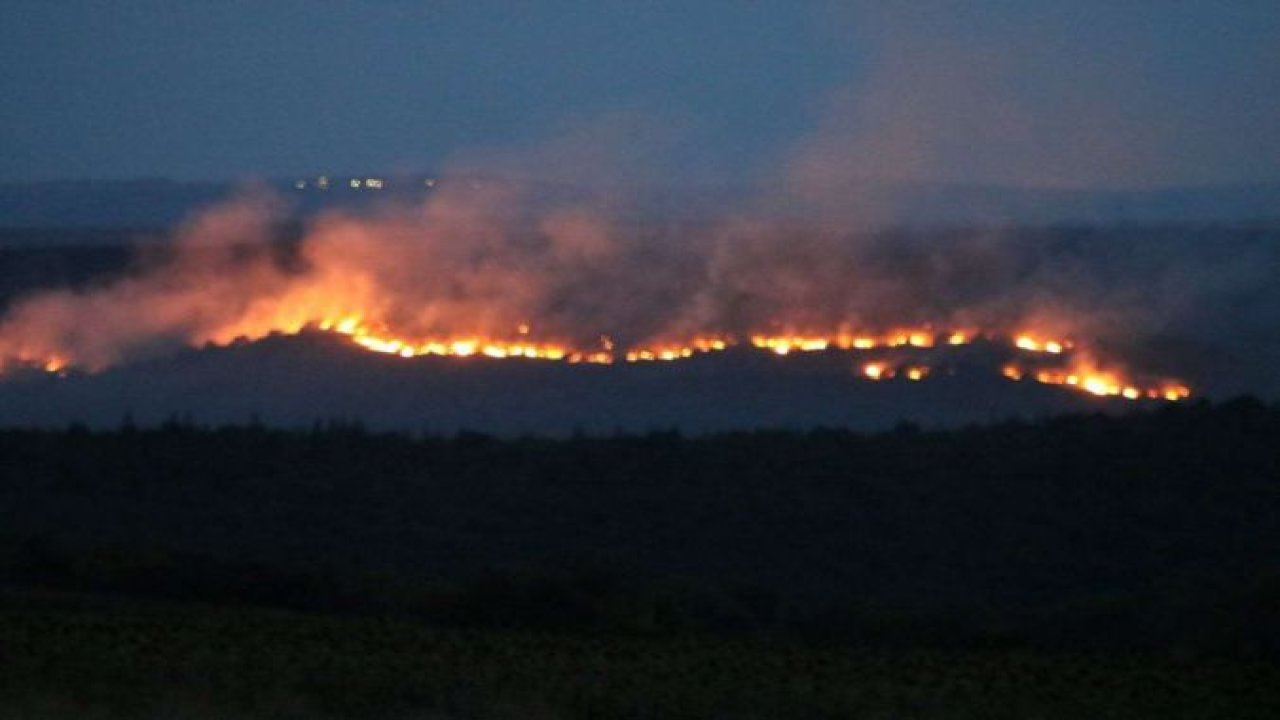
[492,260]
[216,269]
[500,259]
[1071,96]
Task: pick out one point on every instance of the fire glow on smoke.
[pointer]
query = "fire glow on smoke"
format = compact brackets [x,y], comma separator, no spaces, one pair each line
[460,276]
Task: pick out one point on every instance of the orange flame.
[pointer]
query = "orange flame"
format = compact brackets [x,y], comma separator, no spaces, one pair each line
[1103,383]
[1079,374]
[1032,343]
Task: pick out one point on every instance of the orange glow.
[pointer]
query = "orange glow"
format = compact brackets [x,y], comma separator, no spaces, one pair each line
[905,337]
[459,347]
[782,345]
[521,342]
[1104,383]
[1032,343]
[460,277]
[674,351]
[876,371]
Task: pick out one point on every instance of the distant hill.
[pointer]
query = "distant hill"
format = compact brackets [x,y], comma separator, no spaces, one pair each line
[294,381]
[133,203]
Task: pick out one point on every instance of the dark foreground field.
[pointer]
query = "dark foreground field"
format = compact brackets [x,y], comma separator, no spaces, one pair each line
[1083,566]
[96,661]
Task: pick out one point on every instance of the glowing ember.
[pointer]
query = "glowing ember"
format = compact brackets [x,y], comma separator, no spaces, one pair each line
[877,371]
[1033,344]
[1078,373]
[783,345]
[1085,378]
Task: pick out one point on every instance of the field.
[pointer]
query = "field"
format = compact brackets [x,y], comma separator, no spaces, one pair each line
[1079,567]
[99,661]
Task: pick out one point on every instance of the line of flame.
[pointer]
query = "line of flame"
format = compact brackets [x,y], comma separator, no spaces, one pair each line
[1082,378]
[1081,375]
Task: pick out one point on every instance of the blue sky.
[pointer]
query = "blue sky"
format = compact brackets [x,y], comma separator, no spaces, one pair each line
[1036,92]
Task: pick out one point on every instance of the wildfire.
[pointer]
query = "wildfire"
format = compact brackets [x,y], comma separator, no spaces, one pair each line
[1041,345]
[1076,373]
[845,340]
[918,372]
[783,345]
[455,347]
[1100,383]
[1080,376]
[677,351]
[877,371]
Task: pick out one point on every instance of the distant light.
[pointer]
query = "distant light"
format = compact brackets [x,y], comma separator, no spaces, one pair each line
[429,182]
[355,183]
[300,184]
[322,182]
[373,183]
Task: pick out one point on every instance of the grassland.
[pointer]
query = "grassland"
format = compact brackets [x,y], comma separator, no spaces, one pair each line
[101,661]
[1077,567]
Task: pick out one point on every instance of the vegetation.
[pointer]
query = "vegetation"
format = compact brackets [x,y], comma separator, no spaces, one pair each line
[1082,566]
[110,662]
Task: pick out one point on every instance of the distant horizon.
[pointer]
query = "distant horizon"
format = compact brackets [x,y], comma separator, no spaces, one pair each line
[886,182]
[159,202]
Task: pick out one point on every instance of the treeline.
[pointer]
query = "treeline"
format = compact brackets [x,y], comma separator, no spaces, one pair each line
[1156,529]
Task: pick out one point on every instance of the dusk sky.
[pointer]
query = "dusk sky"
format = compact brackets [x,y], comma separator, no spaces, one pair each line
[1037,92]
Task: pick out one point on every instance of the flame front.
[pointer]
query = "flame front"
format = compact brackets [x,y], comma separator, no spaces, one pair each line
[1081,375]
[1078,374]
[454,279]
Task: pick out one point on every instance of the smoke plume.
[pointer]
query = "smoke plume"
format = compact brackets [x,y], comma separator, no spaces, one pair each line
[498,261]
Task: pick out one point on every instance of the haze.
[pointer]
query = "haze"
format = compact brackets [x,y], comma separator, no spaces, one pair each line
[1037,93]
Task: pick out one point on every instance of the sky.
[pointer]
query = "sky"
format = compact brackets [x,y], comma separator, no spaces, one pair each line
[1086,94]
